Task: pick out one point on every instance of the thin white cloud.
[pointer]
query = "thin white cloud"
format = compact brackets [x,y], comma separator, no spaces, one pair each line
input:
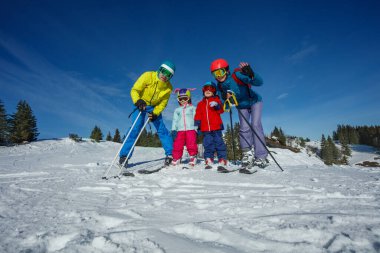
[303,53]
[34,78]
[282,96]
[133,76]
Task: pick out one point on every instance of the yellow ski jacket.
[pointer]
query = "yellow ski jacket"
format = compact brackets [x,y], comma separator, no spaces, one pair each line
[152,90]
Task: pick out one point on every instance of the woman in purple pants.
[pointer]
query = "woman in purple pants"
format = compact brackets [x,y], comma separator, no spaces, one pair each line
[249,105]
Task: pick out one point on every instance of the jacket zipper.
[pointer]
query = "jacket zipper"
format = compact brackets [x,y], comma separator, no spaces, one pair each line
[184,115]
[208,121]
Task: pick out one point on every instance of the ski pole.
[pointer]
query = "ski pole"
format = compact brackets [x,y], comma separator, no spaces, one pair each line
[133,146]
[118,152]
[132,112]
[227,106]
[262,142]
[232,135]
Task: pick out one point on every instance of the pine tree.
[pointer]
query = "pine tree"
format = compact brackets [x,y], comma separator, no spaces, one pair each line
[334,150]
[116,137]
[275,132]
[344,160]
[96,134]
[238,151]
[229,142]
[302,142]
[323,146]
[328,154]
[282,138]
[145,139]
[280,135]
[353,136]
[346,150]
[4,127]
[23,124]
[109,137]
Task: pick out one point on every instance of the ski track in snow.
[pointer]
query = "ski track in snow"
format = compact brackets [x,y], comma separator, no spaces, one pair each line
[52,199]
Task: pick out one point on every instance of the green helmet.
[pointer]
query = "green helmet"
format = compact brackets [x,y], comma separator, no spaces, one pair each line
[167,68]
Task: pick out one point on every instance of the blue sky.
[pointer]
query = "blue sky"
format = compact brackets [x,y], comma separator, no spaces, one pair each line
[75,62]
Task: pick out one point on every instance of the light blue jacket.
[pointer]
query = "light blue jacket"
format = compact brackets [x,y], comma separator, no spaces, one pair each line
[183,118]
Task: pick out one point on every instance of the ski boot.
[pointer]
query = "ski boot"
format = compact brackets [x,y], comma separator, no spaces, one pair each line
[193,161]
[261,162]
[168,160]
[247,159]
[222,162]
[175,162]
[122,160]
[209,162]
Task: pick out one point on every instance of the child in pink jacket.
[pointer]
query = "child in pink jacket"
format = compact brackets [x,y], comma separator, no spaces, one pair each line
[183,129]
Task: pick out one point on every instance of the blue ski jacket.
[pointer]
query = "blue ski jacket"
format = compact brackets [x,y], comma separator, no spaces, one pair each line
[245,96]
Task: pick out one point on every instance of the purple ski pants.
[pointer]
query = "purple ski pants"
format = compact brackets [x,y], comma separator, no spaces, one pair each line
[248,139]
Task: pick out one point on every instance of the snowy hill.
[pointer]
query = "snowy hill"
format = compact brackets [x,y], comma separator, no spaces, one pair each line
[52,199]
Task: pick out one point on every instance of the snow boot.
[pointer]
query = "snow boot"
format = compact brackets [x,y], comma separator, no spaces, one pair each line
[261,163]
[209,162]
[193,161]
[222,162]
[122,160]
[247,159]
[175,162]
[168,160]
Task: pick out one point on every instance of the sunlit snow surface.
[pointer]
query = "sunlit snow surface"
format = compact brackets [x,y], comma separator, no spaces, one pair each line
[52,199]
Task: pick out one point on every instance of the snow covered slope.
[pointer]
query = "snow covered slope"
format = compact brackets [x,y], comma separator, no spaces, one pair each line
[52,199]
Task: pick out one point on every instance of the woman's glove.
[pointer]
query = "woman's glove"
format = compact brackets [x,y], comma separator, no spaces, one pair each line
[247,70]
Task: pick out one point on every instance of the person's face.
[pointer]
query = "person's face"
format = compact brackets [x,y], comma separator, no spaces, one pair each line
[183,100]
[208,93]
[221,79]
[164,75]
[220,75]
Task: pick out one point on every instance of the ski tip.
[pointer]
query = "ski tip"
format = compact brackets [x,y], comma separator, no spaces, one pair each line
[247,171]
[128,174]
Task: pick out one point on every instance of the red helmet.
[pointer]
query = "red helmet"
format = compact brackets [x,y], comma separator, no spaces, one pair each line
[219,64]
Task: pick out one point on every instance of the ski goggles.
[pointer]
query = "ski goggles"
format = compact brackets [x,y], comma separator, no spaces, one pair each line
[183,98]
[219,73]
[166,73]
[209,88]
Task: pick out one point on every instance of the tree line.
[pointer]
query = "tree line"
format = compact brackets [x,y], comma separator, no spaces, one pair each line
[147,138]
[366,135]
[19,127]
[331,154]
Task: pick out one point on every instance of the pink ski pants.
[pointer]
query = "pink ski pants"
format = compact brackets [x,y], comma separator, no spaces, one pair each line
[188,138]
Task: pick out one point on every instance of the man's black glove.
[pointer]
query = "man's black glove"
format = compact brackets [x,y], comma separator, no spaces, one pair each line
[247,70]
[141,104]
[152,116]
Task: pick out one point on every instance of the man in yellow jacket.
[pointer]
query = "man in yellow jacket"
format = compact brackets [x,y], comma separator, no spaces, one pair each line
[150,94]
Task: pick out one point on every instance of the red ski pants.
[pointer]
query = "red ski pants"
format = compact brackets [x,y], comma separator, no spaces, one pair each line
[188,138]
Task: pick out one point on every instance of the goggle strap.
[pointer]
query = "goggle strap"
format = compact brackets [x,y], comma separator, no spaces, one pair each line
[168,68]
